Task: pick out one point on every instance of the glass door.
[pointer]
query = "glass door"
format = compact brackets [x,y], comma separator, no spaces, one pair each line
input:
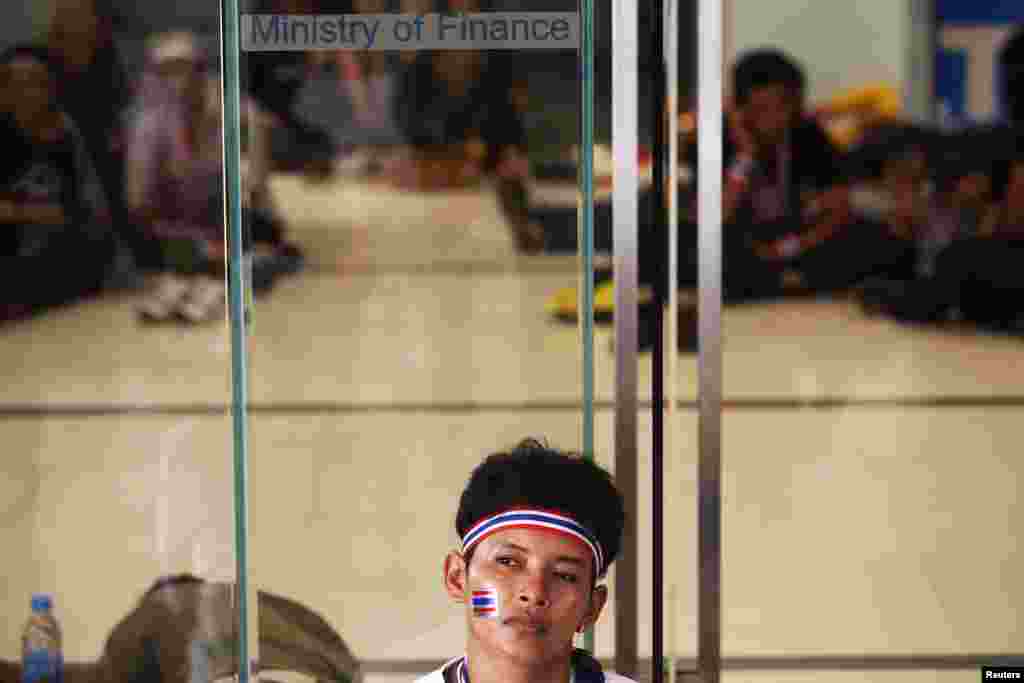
[418,220]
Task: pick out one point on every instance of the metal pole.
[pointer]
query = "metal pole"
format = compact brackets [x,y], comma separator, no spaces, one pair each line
[672,58]
[658,223]
[710,355]
[625,215]
[586,214]
[236,288]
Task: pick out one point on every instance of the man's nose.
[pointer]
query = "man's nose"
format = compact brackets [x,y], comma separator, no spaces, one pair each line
[533,592]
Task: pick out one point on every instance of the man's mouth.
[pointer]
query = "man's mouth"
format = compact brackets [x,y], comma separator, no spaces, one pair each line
[527,624]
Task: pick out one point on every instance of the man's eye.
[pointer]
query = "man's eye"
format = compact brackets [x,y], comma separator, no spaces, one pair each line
[507,561]
[571,578]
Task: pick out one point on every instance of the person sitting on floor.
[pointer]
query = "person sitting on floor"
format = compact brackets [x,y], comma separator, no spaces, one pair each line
[275,80]
[787,221]
[971,247]
[95,93]
[174,179]
[58,245]
[174,185]
[459,113]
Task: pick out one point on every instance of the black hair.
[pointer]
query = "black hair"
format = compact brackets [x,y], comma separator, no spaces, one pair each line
[1011,64]
[36,52]
[767,67]
[535,475]
[172,580]
[890,143]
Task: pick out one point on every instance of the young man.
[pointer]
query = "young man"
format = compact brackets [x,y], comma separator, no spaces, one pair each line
[56,244]
[971,250]
[539,530]
[787,224]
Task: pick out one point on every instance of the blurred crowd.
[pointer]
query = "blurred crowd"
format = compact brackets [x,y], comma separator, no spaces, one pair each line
[912,221]
[113,177]
[113,173]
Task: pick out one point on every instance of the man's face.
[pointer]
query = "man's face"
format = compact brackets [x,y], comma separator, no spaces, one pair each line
[28,86]
[457,66]
[543,581]
[78,17]
[182,76]
[906,172]
[769,112]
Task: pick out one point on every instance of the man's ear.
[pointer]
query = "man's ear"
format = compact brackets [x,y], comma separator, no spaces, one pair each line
[456,576]
[598,599]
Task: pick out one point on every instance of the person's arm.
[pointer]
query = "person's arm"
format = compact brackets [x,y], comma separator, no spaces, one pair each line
[93,205]
[121,88]
[352,81]
[993,223]
[827,212]
[740,165]
[737,177]
[833,213]
[142,163]
[31,213]
[505,130]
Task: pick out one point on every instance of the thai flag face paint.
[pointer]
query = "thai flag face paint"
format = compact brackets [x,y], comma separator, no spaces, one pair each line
[485,603]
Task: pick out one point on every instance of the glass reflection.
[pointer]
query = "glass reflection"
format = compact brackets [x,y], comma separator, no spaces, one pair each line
[413,182]
[111,213]
[871,333]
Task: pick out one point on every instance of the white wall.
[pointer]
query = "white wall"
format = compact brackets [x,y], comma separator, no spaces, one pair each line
[840,43]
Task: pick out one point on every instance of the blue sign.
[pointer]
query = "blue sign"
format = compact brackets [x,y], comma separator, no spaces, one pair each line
[970,35]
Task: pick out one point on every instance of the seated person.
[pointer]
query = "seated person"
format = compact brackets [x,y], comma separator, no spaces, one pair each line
[1011,65]
[787,224]
[174,182]
[891,185]
[971,248]
[58,243]
[275,81]
[459,115]
[95,93]
[529,573]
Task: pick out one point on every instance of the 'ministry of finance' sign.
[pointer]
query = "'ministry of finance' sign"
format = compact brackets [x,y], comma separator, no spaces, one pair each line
[484,31]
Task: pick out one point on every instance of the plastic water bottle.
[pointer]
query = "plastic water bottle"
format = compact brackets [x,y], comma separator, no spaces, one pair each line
[42,659]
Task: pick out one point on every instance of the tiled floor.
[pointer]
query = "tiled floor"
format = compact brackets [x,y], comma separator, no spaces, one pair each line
[417,344]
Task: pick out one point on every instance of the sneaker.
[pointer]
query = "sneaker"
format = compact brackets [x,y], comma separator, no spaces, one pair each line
[161,303]
[205,301]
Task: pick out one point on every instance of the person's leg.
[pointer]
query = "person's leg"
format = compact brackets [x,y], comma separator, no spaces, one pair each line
[746,277]
[992,285]
[861,250]
[930,299]
[71,265]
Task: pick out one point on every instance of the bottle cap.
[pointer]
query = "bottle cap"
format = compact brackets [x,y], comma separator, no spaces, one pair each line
[41,602]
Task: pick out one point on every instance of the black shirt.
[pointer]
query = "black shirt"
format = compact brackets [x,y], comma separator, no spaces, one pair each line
[428,114]
[57,172]
[811,164]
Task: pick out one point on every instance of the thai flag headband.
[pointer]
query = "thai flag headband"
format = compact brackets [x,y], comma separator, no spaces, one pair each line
[536,519]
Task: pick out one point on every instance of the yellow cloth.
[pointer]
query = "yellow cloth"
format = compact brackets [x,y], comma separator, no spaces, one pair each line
[848,115]
[564,304]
